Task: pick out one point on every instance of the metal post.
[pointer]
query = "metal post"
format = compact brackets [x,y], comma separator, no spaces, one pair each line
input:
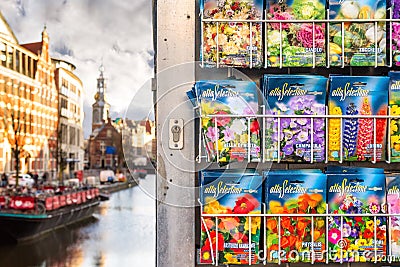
[175,229]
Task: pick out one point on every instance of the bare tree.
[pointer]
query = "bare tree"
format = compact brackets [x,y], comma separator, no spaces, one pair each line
[14,124]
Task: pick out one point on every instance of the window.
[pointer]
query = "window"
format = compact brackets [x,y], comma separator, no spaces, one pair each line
[71,135]
[109,133]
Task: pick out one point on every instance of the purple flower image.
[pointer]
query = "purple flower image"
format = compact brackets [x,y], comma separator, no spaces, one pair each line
[229,135]
[212,133]
[346,231]
[288,149]
[302,136]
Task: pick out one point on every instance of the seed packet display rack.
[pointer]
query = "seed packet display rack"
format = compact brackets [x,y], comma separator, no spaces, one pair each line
[264,117]
[264,261]
[389,22]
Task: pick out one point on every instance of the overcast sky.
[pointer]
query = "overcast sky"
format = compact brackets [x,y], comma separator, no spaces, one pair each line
[87,32]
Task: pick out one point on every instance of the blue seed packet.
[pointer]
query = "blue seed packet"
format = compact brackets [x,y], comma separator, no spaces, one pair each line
[230,237]
[229,138]
[291,138]
[357,96]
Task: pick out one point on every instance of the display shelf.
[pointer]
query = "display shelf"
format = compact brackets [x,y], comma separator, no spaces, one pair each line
[264,117]
[328,22]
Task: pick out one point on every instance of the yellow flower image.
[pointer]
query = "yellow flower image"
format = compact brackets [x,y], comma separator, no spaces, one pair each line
[255,223]
[393,126]
[230,258]
[244,138]
[395,110]
[370,225]
[213,206]
[207,108]
[395,139]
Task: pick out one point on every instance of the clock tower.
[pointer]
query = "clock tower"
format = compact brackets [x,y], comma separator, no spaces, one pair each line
[100,108]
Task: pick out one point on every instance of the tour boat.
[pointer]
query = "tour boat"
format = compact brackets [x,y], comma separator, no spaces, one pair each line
[23,218]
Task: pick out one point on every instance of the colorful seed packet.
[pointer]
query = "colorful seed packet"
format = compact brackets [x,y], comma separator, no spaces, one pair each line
[292,137]
[239,43]
[227,240]
[393,201]
[359,139]
[395,6]
[229,139]
[364,44]
[394,104]
[295,238]
[352,238]
[296,44]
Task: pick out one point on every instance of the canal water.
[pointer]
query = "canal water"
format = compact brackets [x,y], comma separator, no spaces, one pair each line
[122,233]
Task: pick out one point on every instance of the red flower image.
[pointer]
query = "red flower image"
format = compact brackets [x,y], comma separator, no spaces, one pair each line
[214,238]
[239,238]
[368,234]
[209,224]
[245,204]
[222,121]
[254,127]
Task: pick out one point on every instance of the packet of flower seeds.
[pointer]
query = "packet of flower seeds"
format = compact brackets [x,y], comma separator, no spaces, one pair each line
[302,45]
[395,6]
[233,239]
[294,238]
[361,46]
[393,201]
[356,238]
[292,137]
[239,43]
[394,104]
[359,139]
[229,139]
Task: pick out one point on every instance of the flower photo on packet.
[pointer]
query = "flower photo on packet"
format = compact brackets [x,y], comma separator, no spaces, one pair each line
[295,238]
[352,238]
[301,42]
[230,239]
[229,139]
[239,43]
[291,137]
[357,96]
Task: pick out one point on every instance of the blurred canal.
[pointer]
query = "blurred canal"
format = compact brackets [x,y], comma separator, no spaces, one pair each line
[121,234]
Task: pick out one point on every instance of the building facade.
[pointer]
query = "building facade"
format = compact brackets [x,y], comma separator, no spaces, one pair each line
[28,105]
[70,129]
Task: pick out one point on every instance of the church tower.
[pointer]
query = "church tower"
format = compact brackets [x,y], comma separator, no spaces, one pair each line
[100,108]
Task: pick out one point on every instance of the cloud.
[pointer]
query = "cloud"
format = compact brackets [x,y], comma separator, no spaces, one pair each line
[88,32]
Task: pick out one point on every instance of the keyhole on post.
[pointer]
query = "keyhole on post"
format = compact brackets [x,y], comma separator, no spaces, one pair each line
[176,131]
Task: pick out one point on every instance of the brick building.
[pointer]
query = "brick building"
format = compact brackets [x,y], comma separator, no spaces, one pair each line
[105,142]
[28,104]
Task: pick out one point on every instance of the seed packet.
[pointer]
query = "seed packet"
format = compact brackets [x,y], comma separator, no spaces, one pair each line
[352,238]
[393,201]
[239,43]
[292,137]
[358,96]
[302,46]
[361,46]
[229,139]
[395,5]
[394,103]
[294,238]
[226,240]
